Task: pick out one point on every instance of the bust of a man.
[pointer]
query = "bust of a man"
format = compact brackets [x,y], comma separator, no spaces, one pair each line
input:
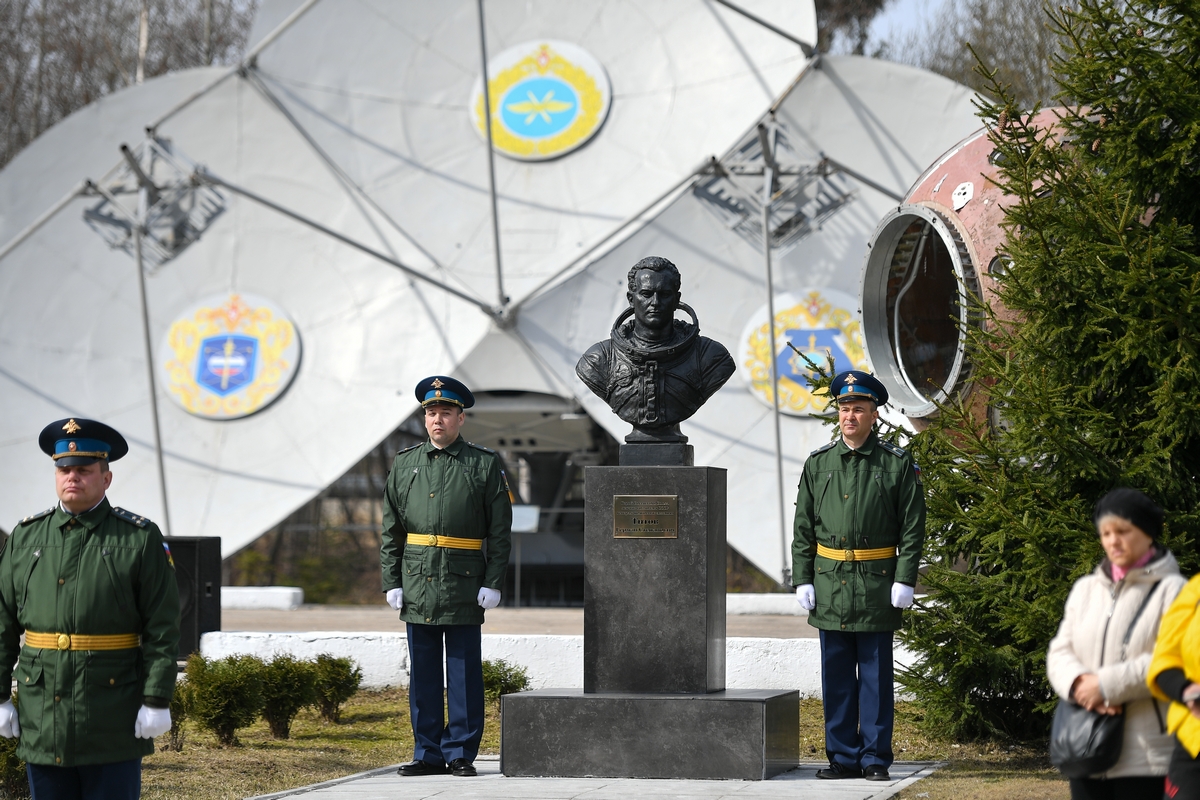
[655,371]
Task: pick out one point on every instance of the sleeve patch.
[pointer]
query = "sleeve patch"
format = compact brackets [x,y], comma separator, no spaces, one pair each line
[130,517]
[917,473]
[167,550]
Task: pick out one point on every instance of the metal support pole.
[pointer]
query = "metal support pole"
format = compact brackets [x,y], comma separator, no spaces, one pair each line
[805,47]
[32,228]
[205,177]
[138,232]
[768,191]
[517,559]
[487,127]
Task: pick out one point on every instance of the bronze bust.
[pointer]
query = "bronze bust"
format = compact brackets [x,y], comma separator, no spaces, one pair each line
[655,371]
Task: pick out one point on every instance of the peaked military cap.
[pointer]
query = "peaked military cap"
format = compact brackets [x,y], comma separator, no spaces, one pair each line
[855,384]
[76,441]
[440,389]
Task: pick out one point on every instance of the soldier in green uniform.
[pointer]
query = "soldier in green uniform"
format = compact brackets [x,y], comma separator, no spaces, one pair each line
[859,529]
[447,517]
[93,589]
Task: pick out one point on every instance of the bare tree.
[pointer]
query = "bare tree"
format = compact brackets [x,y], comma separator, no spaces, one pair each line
[844,25]
[1010,36]
[57,56]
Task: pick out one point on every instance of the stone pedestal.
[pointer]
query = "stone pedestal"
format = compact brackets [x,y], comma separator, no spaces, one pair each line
[654,703]
[654,609]
[732,735]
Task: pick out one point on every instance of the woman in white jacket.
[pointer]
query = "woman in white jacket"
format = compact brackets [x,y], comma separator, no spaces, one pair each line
[1084,663]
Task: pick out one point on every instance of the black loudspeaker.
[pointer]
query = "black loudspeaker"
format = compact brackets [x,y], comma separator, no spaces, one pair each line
[198,573]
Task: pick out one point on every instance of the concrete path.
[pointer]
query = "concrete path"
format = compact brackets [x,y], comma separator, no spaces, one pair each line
[545,621]
[385,784]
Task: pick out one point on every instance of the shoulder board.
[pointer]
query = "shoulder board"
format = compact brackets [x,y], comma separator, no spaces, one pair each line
[481,447]
[38,515]
[823,448]
[410,447]
[893,449]
[129,517]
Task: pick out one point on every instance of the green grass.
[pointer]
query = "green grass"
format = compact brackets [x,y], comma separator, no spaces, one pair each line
[376,732]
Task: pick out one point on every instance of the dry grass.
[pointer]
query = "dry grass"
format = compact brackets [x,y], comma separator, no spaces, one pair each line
[975,770]
[375,732]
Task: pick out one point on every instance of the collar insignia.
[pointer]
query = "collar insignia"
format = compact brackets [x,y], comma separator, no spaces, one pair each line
[72,426]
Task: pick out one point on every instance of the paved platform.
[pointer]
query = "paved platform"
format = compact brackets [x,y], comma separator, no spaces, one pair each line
[543,621]
[385,784]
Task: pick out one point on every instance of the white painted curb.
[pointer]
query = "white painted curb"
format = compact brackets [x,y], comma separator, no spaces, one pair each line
[778,604]
[258,598]
[550,661]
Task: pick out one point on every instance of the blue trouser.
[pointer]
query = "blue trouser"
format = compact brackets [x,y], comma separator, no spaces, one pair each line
[118,781]
[435,740]
[860,703]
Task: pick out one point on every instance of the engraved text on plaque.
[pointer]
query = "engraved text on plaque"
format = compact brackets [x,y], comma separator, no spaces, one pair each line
[646,516]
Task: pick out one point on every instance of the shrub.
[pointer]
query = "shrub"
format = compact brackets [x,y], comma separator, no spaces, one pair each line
[226,694]
[288,686]
[500,677]
[337,681]
[181,709]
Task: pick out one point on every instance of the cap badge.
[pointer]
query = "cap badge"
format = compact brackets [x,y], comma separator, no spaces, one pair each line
[851,379]
[438,393]
[72,446]
[72,427]
[437,384]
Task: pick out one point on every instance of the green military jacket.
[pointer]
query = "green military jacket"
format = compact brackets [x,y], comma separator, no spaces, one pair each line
[858,499]
[105,571]
[462,492]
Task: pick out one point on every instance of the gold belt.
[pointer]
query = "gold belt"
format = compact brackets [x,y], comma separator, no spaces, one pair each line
[431,540]
[875,554]
[82,641]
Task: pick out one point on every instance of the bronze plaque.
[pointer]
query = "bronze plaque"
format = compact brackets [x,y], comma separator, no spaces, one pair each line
[646,516]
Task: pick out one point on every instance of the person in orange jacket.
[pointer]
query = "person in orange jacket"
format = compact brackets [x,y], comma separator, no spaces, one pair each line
[1175,675]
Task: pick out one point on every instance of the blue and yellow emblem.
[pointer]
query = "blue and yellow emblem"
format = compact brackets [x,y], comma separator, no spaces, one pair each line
[818,323]
[229,356]
[547,99]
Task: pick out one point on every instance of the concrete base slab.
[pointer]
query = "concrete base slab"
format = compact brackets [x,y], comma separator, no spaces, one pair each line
[802,782]
[747,734]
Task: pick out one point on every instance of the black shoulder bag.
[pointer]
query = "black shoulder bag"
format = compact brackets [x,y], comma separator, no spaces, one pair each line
[1085,742]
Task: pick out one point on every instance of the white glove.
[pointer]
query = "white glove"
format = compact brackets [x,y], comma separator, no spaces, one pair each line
[488,598]
[806,596]
[395,598]
[9,727]
[152,722]
[902,595]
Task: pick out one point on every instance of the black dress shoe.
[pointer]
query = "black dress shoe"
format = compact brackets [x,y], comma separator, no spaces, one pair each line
[462,768]
[836,772]
[876,772]
[414,769]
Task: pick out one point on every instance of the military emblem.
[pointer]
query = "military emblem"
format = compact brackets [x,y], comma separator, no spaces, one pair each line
[229,356]
[547,99]
[72,427]
[819,323]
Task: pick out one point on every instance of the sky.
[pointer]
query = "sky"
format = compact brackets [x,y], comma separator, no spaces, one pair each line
[901,18]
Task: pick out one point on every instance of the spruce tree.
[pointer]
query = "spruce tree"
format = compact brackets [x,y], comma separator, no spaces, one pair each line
[1097,380]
